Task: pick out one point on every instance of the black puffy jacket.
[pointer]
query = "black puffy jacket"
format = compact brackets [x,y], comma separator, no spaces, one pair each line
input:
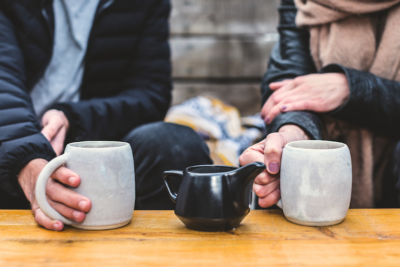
[374,102]
[126,82]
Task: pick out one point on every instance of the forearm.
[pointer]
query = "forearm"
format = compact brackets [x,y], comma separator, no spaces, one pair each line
[289,59]
[374,102]
[290,56]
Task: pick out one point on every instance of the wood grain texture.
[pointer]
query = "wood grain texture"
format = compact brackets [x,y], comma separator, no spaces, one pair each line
[222,17]
[246,97]
[158,238]
[210,57]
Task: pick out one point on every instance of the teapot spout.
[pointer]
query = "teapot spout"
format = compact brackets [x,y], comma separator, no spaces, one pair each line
[242,181]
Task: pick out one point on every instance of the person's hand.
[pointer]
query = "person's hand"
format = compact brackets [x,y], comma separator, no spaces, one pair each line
[67,202]
[269,151]
[55,127]
[314,92]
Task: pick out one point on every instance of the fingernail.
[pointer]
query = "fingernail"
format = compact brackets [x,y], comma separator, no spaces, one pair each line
[266,119]
[55,226]
[273,167]
[82,204]
[76,214]
[284,107]
[71,180]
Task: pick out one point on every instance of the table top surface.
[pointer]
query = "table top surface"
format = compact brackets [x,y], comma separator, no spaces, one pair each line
[158,238]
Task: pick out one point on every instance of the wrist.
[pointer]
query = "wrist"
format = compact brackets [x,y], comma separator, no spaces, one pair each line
[294,130]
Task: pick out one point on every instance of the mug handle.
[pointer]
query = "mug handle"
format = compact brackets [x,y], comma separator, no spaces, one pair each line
[40,190]
[167,181]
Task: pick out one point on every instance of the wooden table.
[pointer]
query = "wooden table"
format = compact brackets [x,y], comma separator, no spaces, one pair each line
[158,238]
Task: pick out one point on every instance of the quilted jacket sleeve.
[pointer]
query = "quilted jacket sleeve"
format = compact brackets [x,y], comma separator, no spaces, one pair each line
[20,137]
[147,93]
[290,58]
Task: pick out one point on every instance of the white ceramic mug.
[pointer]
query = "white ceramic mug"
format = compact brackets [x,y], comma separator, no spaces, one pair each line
[315,182]
[107,178]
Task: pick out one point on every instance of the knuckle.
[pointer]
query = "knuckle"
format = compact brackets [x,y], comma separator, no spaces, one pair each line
[242,158]
[298,80]
[321,103]
[257,190]
[273,150]
[273,99]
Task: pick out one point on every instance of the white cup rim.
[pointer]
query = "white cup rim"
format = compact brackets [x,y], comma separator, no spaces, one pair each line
[316,145]
[98,144]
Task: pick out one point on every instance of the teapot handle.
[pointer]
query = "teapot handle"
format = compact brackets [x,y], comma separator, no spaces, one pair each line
[167,181]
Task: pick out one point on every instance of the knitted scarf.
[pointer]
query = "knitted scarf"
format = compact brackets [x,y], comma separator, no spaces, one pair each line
[353,34]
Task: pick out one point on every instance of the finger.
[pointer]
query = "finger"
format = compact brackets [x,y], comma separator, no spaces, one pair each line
[311,105]
[270,200]
[67,212]
[252,154]
[51,129]
[274,99]
[273,152]
[288,85]
[57,192]
[265,178]
[263,191]
[276,85]
[267,107]
[275,111]
[66,176]
[45,221]
[58,141]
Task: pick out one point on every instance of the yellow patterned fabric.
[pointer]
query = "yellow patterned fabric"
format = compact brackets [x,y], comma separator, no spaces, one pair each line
[220,125]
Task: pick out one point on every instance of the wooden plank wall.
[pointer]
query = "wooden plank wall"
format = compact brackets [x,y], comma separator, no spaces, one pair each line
[221,48]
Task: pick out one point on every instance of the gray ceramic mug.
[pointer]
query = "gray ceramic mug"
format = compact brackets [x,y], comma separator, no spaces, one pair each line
[315,182]
[107,178]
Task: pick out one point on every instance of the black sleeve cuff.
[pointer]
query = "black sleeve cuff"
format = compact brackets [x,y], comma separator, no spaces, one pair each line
[357,80]
[309,122]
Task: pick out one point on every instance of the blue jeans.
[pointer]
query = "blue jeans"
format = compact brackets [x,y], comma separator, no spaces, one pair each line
[158,147]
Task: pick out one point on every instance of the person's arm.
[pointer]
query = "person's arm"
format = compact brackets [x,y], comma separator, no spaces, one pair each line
[374,102]
[20,132]
[147,94]
[290,58]
[24,150]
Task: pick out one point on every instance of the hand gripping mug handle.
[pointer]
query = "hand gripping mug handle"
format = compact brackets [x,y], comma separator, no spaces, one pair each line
[167,180]
[40,190]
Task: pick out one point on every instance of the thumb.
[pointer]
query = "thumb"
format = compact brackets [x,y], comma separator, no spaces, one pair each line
[51,129]
[274,144]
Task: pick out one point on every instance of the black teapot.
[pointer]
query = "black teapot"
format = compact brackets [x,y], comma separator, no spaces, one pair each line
[212,197]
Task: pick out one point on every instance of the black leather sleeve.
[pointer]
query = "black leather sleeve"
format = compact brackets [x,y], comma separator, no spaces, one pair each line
[374,102]
[290,58]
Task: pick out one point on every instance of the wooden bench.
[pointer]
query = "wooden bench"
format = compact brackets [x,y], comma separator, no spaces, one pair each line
[221,48]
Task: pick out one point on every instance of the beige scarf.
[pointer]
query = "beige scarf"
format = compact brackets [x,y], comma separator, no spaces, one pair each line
[347,32]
